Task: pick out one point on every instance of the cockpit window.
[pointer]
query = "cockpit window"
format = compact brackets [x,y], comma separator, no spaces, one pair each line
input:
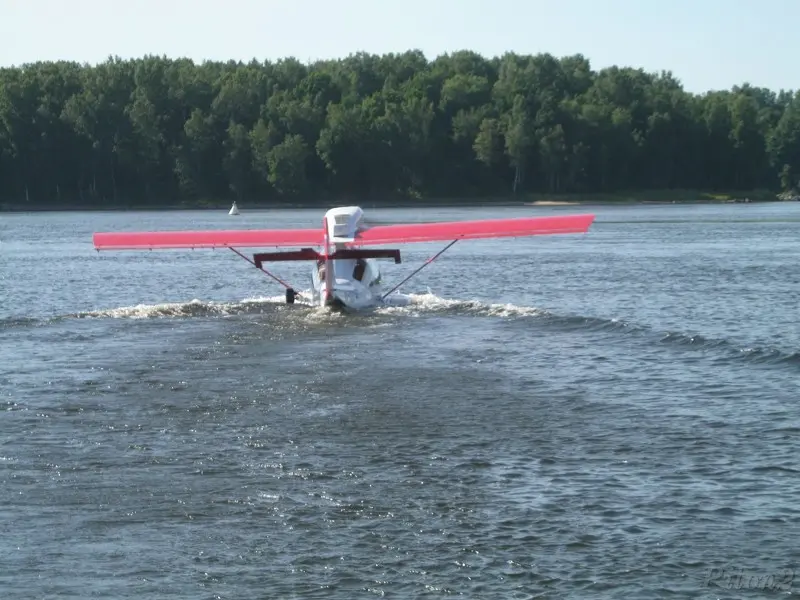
[358,270]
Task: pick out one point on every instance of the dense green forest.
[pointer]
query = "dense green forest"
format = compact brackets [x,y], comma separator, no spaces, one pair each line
[157,131]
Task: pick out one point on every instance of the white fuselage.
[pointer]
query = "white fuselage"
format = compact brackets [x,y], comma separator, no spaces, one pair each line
[353,286]
[345,282]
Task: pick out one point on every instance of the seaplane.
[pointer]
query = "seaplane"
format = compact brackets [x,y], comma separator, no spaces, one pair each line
[346,274]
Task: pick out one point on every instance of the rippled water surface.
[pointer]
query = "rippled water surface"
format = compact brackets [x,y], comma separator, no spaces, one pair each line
[612,415]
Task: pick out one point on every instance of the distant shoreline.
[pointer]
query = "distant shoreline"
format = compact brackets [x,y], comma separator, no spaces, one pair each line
[640,202]
[664,197]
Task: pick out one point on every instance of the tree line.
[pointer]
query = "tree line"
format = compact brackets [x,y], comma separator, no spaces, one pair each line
[157,131]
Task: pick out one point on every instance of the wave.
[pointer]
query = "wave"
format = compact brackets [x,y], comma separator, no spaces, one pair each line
[172,310]
[428,304]
[726,349]
[193,308]
[10,322]
[723,349]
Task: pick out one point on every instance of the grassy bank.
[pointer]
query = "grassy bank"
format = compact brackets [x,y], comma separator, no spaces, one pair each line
[657,197]
[616,198]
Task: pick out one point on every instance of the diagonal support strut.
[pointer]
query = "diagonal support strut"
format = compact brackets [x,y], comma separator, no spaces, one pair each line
[425,264]
[263,270]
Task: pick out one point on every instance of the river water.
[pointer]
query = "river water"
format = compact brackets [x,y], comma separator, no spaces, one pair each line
[610,415]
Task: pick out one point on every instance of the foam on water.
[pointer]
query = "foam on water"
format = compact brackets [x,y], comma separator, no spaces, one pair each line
[398,304]
[417,304]
[429,304]
[192,308]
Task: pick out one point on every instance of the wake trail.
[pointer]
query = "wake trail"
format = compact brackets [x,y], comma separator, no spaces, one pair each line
[428,304]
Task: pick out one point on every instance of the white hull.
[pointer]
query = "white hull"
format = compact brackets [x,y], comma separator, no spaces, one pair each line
[346,290]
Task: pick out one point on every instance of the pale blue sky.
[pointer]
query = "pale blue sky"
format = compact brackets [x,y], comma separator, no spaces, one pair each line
[707,44]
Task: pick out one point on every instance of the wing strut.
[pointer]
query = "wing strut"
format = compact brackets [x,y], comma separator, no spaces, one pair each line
[425,264]
[262,269]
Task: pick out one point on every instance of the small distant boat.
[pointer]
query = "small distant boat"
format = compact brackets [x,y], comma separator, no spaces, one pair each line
[234,210]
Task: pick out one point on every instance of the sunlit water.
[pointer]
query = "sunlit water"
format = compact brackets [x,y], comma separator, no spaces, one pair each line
[612,415]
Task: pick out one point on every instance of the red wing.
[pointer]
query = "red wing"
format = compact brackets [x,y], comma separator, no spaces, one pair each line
[208,239]
[453,230]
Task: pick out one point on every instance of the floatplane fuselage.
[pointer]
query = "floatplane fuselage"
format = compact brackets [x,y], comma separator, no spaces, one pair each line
[344,277]
[345,271]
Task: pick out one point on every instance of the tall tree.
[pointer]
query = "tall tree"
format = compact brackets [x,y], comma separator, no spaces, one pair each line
[157,130]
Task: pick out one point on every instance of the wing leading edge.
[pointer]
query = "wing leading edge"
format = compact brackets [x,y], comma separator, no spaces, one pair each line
[453,230]
[384,234]
[253,238]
